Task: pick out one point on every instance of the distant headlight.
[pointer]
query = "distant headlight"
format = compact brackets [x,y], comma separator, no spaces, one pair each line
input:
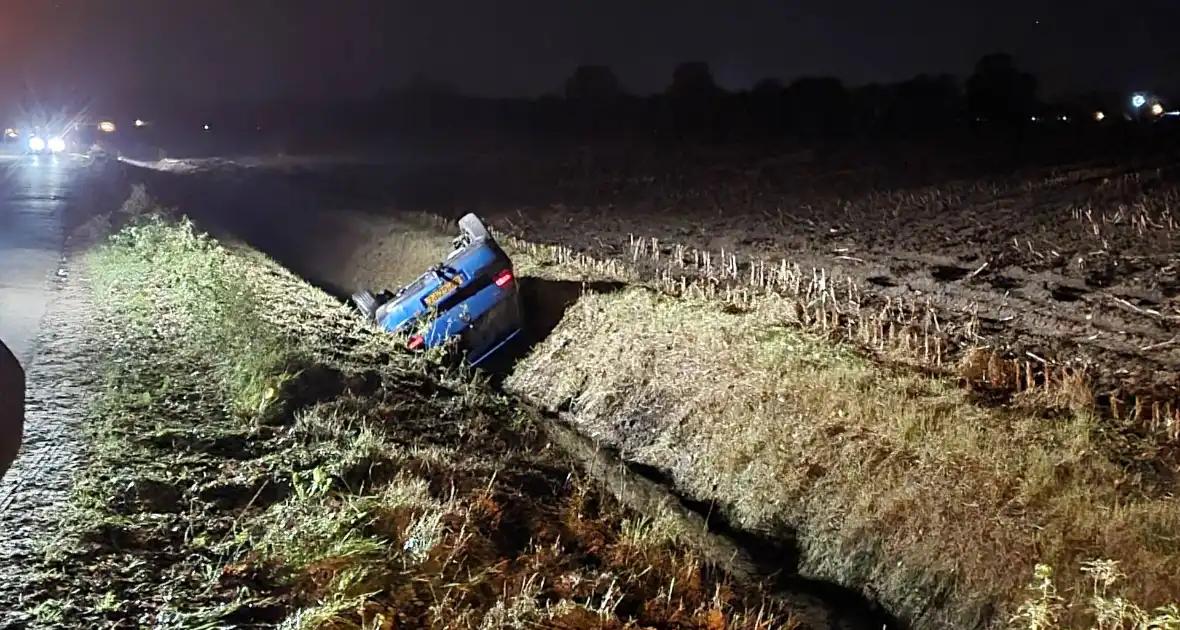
[57,145]
[36,143]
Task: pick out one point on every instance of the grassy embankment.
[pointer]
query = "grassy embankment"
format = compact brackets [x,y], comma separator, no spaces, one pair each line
[939,502]
[260,458]
[942,504]
[899,483]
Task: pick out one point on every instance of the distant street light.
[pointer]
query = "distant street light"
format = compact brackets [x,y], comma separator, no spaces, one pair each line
[139,123]
[1138,101]
[1157,109]
[106,126]
[1099,115]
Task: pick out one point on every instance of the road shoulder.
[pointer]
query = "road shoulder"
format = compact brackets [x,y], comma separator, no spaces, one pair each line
[35,490]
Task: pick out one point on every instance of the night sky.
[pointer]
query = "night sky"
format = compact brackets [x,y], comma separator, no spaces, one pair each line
[220,50]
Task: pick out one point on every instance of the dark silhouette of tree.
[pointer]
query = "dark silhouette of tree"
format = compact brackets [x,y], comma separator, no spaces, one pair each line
[926,101]
[767,90]
[593,96]
[693,80]
[765,106]
[817,105]
[593,84]
[872,105]
[998,91]
[694,100]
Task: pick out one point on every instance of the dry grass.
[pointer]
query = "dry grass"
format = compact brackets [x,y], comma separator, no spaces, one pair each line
[772,397]
[898,331]
[865,259]
[261,457]
[771,387]
[891,478]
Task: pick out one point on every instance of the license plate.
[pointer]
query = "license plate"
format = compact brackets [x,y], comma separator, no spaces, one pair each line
[448,287]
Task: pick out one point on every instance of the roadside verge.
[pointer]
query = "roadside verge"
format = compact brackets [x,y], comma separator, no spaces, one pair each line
[259,458]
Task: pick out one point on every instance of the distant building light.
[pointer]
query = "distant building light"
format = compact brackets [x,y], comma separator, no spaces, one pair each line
[1157,109]
[106,126]
[1099,115]
[139,123]
[10,132]
[206,127]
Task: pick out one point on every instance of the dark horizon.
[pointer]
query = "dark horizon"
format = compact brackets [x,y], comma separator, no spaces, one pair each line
[260,50]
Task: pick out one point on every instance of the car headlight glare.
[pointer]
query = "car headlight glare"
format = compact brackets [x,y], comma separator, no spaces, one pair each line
[57,144]
[37,143]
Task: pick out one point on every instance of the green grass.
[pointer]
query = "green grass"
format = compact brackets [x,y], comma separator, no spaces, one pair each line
[260,457]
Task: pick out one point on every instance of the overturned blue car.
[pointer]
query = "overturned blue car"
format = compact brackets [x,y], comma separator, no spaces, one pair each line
[471,297]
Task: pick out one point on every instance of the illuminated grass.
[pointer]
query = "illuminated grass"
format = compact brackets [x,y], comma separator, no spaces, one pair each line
[787,429]
[260,456]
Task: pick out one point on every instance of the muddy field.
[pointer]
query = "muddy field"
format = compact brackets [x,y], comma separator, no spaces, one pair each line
[1073,263]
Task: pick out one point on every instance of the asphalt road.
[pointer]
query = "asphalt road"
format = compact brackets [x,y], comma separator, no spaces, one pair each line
[34,192]
[39,316]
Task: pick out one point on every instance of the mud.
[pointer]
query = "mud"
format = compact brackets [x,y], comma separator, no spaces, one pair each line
[1078,265]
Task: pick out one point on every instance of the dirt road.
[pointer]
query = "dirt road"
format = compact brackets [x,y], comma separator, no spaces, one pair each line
[36,323]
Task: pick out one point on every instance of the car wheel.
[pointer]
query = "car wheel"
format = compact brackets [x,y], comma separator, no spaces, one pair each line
[473,228]
[367,303]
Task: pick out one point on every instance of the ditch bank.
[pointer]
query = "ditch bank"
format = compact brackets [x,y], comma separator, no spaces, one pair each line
[260,458]
[885,485]
[739,577]
[897,486]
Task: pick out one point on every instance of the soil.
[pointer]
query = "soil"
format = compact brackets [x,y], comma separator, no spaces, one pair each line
[1079,265]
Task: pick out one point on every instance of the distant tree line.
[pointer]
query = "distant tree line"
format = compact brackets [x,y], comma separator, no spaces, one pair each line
[593,99]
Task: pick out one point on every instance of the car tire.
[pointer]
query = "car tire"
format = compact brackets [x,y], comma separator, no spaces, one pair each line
[475,230]
[367,303]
